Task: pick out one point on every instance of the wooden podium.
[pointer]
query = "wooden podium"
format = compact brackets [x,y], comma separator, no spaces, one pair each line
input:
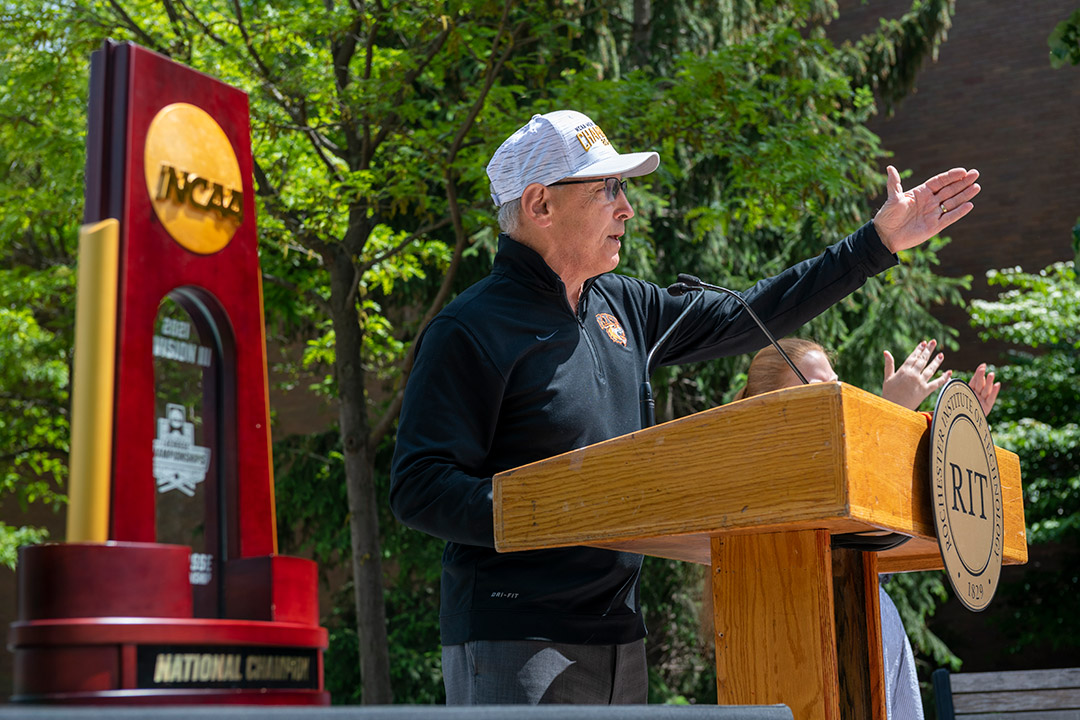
[756,489]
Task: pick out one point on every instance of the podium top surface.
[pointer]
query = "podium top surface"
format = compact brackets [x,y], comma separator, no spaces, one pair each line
[826,455]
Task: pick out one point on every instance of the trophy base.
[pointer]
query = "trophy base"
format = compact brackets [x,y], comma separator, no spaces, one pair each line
[112,623]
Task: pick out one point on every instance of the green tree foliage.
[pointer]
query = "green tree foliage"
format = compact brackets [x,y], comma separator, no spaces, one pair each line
[1039,419]
[33,424]
[1036,418]
[311,498]
[372,123]
[1064,42]
[42,121]
[680,648]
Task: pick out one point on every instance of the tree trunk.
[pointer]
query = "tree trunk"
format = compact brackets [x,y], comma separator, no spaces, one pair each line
[642,32]
[360,484]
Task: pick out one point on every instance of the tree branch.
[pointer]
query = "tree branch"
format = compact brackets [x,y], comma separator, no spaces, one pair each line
[393,121]
[293,221]
[296,112]
[33,402]
[15,119]
[382,427]
[309,293]
[202,25]
[403,244]
[134,27]
[492,74]
[33,448]
[182,44]
[264,70]
[343,54]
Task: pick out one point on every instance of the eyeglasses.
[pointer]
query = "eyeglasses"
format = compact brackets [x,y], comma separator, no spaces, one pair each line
[612,186]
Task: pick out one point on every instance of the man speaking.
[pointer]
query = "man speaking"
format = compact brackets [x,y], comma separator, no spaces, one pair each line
[546,355]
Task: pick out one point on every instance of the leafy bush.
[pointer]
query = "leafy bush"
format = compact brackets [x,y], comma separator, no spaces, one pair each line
[1038,418]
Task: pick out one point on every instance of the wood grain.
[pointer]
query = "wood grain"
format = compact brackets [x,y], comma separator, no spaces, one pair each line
[1017,694]
[1016,680]
[1004,702]
[857,612]
[721,469]
[775,634]
[825,456]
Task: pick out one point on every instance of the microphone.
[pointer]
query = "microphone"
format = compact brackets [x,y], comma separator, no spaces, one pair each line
[855,541]
[680,288]
[648,405]
[691,282]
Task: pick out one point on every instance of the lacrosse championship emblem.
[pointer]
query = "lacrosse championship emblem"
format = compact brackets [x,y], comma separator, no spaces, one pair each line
[179,464]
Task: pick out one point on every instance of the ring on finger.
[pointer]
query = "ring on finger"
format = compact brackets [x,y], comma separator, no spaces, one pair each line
[942,207]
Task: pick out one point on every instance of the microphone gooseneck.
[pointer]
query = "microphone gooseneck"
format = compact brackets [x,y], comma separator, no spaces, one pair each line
[691,282]
[864,542]
[648,405]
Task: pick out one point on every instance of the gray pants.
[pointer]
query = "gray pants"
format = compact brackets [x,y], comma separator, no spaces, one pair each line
[506,672]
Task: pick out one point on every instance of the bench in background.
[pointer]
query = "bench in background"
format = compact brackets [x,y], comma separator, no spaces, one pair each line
[1013,695]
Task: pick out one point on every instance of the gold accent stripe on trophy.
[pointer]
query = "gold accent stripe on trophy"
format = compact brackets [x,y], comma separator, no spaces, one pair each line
[90,462]
[266,418]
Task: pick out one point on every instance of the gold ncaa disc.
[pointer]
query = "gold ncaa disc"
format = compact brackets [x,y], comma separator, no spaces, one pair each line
[966,487]
[193,178]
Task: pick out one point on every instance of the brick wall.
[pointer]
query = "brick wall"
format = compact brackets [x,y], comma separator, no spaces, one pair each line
[991,101]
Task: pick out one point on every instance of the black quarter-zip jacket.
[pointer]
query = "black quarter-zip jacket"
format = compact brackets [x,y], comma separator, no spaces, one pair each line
[508,374]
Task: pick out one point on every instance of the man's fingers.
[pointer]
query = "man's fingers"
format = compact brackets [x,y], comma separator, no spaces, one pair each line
[959,197]
[950,177]
[953,215]
[893,186]
[955,206]
[953,200]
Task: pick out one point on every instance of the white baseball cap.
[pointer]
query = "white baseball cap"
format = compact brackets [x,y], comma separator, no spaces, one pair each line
[557,146]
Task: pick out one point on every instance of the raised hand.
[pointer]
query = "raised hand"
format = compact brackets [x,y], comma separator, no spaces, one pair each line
[913,381]
[911,217]
[985,388]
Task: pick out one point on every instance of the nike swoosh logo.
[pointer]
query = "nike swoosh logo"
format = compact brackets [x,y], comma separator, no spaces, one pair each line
[547,337]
